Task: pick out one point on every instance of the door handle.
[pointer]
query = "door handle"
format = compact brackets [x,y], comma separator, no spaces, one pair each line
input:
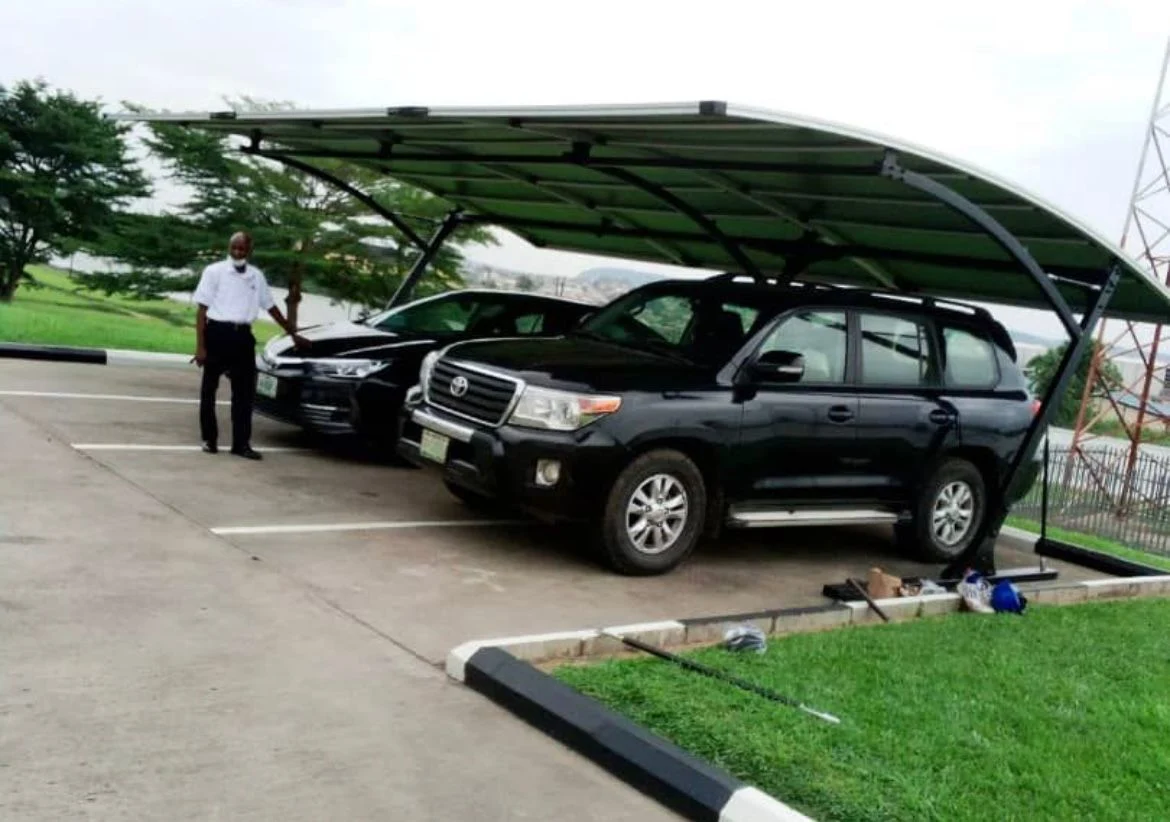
[839,413]
[941,417]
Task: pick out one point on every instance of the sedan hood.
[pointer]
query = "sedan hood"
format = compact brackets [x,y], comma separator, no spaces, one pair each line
[346,340]
[582,364]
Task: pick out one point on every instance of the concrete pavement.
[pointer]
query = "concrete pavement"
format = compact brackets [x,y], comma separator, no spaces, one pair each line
[149,670]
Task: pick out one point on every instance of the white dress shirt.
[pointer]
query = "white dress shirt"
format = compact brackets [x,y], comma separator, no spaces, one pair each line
[233,296]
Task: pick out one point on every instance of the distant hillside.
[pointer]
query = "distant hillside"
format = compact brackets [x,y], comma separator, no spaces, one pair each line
[627,277]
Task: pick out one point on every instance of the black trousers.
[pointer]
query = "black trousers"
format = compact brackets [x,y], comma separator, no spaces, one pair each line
[231,349]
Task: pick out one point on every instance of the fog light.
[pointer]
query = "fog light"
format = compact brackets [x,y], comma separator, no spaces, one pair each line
[548,472]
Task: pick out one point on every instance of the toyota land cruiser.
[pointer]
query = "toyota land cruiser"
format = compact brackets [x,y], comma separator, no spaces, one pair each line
[688,405]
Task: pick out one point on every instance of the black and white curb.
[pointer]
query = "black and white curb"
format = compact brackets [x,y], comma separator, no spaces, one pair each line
[91,356]
[686,784]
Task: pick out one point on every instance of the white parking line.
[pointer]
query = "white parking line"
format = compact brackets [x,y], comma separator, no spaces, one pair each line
[245,530]
[118,446]
[123,397]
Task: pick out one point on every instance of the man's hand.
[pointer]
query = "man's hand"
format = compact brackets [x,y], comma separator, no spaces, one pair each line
[299,341]
[200,357]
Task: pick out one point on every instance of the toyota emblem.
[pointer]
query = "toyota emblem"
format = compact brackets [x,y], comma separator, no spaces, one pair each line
[459,386]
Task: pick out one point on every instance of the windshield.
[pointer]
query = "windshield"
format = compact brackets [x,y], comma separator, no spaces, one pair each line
[702,325]
[453,314]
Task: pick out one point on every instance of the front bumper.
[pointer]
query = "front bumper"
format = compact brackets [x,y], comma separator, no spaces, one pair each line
[319,404]
[500,463]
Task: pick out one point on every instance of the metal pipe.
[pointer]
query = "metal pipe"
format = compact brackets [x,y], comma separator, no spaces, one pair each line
[359,195]
[715,674]
[449,224]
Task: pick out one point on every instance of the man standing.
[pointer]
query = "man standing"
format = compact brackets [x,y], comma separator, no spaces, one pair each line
[230,295]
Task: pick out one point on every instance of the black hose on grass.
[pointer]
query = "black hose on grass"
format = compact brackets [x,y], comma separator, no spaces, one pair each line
[733,680]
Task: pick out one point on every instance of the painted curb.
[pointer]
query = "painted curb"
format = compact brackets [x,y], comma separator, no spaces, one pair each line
[56,353]
[660,769]
[92,356]
[504,670]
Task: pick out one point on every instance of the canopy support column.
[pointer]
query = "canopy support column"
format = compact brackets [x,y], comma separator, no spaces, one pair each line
[359,195]
[431,248]
[981,555]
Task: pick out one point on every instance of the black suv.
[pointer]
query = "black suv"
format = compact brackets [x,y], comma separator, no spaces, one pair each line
[686,406]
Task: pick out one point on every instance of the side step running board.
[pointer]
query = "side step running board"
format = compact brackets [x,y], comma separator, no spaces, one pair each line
[778,517]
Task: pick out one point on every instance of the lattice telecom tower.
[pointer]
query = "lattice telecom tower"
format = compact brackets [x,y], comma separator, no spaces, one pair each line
[1140,399]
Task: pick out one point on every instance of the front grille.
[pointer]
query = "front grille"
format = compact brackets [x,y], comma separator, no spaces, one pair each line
[487,398]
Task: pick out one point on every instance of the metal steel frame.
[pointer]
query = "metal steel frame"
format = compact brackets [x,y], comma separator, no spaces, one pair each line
[450,223]
[687,210]
[981,554]
[359,195]
[1146,228]
[805,250]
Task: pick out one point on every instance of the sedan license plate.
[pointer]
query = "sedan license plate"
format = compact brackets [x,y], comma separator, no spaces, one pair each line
[434,446]
[266,385]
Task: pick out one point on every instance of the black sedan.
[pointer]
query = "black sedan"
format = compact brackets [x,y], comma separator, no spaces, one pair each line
[354,376]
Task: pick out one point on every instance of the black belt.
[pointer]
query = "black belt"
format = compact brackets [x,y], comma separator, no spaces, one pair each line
[236,326]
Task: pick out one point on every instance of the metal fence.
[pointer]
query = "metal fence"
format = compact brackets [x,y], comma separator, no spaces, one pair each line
[1088,494]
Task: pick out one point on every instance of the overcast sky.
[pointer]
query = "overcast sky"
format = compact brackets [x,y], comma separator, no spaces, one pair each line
[1053,96]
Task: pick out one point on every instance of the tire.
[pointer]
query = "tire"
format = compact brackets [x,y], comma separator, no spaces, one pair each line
[476,502]
[676,477]
[957,493]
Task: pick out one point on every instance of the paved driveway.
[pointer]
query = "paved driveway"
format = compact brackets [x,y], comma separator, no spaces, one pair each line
[197,637]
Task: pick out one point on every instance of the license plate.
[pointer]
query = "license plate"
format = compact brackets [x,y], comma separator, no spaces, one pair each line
[433,446]
[266,385]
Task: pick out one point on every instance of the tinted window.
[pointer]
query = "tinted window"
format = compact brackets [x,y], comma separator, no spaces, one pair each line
[446,315]
[531,323]
[970,359]
[486,315]
[894,351]
[703,326]
[820,337]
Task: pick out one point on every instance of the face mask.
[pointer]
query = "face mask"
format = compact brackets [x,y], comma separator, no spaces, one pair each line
[239,264]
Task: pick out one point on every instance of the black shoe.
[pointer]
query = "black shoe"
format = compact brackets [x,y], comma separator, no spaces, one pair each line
[210,448]
[247,453]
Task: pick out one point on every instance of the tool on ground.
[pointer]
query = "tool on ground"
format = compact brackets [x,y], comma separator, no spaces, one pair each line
[734,680]
[865,594]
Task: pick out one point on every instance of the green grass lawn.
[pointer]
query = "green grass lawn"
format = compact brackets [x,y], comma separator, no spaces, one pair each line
[1105,546]
[1061,714]
[60,312]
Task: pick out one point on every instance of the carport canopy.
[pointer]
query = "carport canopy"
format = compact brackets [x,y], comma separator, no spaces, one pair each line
[711,185]
[718,186]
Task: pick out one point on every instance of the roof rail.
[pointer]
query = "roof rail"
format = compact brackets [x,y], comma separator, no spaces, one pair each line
[928,301]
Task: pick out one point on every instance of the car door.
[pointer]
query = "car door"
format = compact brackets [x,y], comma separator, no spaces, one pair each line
[904,421]
[798,438]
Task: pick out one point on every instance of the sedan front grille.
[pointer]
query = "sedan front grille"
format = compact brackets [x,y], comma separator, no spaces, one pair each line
[470,392]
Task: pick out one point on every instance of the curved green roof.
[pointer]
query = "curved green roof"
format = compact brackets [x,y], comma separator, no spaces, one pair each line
[717,186]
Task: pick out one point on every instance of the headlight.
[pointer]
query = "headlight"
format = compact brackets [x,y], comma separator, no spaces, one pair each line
[348,369]
[560,410]
[424,371]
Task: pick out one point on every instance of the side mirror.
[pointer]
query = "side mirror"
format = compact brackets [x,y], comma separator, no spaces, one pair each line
[778,366]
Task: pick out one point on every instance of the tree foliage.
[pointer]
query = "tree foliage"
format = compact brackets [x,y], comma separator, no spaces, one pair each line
[64,171]
[1041,371]
[308,234]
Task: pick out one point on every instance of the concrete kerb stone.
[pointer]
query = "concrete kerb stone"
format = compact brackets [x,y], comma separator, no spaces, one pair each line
[534,695]
[94,356]
[1124,587]
[692,787]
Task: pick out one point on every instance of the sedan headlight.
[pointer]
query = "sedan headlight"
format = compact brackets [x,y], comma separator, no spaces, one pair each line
[560,410]
[348,369]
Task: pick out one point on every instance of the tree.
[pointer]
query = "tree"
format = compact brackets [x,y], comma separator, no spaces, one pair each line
[64,170]
[308,233]
[1041,371]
